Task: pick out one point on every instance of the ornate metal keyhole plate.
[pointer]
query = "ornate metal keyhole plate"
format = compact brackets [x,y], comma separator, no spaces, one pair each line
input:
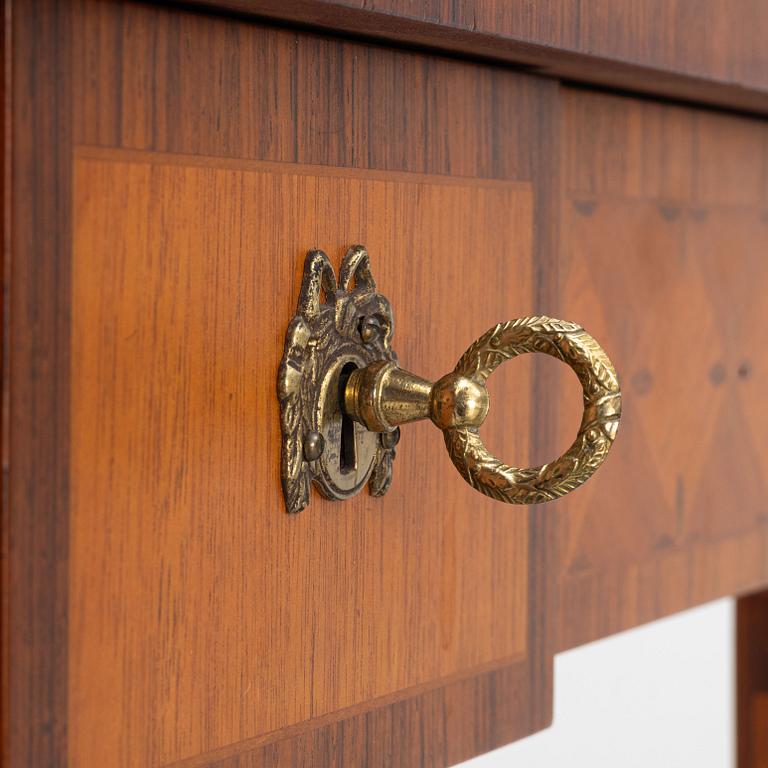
[339,327]
[343,396]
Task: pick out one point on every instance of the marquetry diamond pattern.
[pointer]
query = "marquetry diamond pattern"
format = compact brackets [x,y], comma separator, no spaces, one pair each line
[686,464]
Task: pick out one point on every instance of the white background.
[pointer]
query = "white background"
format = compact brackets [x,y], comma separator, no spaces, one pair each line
[660,696]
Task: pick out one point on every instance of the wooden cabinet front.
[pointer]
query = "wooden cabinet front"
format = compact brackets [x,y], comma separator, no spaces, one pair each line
[233,620]
[202,622]
[166,171]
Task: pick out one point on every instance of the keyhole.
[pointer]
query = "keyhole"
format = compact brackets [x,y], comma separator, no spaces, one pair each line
[348,453]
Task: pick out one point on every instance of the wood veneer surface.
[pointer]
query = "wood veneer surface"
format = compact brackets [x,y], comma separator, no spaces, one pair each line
[35,442]
[708,51]
[752,680]
[664,239]
[201,614]
[663,215]
[760,730]
[198,96]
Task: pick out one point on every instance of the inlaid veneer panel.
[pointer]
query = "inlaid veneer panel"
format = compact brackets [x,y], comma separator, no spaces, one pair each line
[202,615]
[199,93]
[664,240]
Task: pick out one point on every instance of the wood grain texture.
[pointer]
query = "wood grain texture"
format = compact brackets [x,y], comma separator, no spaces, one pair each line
[760,730]
[202,615]
[433,728]
[752,680]
[664,236]
[5,559]
[192,101]
[148,547]
[708,51]
[36,238]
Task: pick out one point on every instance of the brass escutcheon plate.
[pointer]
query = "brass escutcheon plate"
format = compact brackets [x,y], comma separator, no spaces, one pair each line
[338,327]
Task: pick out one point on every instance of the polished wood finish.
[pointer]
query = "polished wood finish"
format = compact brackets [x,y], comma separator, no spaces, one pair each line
[664,236]
[752,680]
[35,440]
[707,51]
[165,170]
[760,730]
[171,514]
[206,591]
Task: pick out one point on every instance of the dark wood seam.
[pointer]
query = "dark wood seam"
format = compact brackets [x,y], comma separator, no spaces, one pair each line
[37,378]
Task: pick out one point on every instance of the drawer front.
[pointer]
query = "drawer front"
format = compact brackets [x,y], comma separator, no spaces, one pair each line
[203,622]
[225,610]
[664,240]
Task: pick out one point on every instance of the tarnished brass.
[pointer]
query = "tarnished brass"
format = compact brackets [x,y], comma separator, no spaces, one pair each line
[383,396]
[343,396]
[336,329]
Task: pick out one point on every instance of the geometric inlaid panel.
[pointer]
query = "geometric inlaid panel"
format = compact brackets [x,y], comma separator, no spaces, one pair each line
[664,251]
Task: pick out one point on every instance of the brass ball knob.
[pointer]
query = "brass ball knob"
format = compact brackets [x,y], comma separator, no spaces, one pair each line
[458,401]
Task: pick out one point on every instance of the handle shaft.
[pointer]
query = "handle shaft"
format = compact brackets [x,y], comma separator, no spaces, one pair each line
[382,396]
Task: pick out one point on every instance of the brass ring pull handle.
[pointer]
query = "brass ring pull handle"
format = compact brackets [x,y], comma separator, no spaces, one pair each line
[382,396]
